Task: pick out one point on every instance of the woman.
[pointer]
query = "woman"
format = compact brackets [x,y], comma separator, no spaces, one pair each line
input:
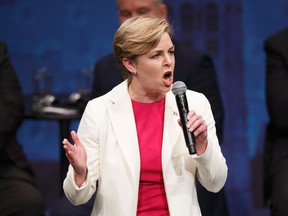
[129,141]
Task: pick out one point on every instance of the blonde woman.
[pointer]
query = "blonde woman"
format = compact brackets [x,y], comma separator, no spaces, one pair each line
[129,140]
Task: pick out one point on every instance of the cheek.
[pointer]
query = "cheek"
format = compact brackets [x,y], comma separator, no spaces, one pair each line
[153,70]
[150,69]
[122,19]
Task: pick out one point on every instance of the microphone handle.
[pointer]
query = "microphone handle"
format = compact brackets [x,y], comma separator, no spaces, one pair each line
[183,111]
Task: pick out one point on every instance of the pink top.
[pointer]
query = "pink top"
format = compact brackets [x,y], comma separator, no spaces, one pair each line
[149,119]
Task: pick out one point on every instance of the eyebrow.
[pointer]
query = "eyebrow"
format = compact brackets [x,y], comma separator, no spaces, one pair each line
[144,8]
[161,50]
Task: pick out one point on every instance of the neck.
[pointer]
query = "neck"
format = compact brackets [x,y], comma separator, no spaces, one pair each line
[138,94]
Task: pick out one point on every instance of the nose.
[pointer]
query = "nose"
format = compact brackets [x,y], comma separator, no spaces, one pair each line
[135,14]
[168,60]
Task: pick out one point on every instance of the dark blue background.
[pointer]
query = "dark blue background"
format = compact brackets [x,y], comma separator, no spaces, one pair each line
[68,36]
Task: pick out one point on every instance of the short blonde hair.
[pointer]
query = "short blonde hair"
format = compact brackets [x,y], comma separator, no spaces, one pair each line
[137,36]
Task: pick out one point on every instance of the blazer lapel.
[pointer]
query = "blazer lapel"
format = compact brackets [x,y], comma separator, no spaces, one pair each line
[172,130]
[123,123]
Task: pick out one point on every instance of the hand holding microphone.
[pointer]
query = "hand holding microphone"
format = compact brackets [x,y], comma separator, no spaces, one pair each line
[197,125]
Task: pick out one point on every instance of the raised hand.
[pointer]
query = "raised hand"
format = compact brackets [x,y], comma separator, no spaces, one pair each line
[77,157]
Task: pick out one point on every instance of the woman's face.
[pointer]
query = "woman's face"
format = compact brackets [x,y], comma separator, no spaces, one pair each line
[155,69]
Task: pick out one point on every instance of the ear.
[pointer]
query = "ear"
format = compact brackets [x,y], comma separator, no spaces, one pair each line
[130,65]
[164,11]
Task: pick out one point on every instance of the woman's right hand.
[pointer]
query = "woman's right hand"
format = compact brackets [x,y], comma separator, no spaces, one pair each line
[77,157]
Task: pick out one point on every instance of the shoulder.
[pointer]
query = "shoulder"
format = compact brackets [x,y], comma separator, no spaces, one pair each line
[3,45]
[189,51]
[3,48]
[196,96]
[111,97]
[107,59]
[278,40]
[106,65]
[192,56]
[198,102]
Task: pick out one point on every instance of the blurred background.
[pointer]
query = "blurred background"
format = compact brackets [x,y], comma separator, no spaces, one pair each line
[65,39]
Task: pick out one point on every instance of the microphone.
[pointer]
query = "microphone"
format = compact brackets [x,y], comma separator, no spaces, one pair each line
[179,90]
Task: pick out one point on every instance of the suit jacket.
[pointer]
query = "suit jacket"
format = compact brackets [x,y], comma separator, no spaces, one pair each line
[276,145]
[11,112]
[193,67]
[108,132]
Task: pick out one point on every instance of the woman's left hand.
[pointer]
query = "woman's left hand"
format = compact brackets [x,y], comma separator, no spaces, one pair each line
[197,125]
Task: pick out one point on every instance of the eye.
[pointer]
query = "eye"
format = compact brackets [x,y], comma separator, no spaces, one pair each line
[156,56]
[171,52]
[143,11]
[125,14]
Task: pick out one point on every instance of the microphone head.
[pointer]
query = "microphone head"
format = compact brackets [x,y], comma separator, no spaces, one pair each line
[179,87]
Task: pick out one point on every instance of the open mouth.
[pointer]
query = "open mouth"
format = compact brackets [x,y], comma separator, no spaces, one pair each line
[167,75]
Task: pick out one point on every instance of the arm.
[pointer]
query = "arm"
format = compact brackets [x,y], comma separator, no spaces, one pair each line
[211,164]
[11,99]
[80,182]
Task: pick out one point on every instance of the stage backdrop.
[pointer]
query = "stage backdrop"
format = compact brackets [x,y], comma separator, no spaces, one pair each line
[65,39]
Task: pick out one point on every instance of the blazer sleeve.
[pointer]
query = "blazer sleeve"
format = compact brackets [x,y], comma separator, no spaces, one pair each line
[89,137]
[212,169]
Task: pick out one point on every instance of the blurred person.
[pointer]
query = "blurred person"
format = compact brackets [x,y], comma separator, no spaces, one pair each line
[276,146]
[18,192]
[130,146]
[194,68]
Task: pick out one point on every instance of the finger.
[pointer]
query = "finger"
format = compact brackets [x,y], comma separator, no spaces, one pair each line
[191,121]
[65,142]
[198,130]
[195,122]
[75,137]
[69,157]
[201,129]
[66,149]
[190,114]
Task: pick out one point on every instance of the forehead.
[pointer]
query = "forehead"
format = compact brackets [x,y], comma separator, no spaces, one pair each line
[165,43]
[134,4]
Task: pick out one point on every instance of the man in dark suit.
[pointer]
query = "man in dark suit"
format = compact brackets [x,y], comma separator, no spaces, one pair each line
[18,192]
[193,67]
[276,145]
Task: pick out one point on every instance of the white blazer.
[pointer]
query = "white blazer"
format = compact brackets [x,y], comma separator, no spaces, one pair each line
[108,132]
